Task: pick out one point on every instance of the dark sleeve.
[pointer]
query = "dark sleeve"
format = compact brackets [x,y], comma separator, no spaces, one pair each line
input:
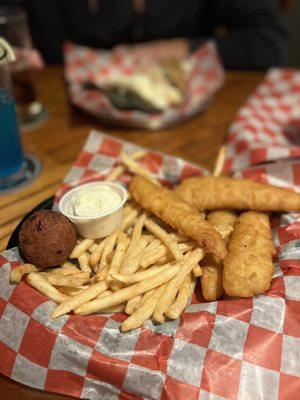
[257,36]
[47,29]
[46,26]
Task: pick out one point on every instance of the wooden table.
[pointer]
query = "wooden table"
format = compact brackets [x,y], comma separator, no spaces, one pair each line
[60,139]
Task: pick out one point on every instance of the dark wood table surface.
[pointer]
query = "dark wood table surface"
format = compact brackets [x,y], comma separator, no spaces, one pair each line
[58,141]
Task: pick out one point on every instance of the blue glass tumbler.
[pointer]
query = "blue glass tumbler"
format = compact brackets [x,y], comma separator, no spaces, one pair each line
[12,161]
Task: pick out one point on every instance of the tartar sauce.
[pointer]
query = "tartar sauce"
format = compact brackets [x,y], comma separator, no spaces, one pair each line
[92,202]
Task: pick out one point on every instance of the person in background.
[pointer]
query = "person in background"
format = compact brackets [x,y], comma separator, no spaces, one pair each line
[248,34]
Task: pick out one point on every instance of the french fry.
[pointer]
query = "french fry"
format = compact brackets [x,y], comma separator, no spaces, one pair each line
[96,255]
[129,231]
[148,237]
[161,255]
[81,248]
[188,246]
[173,286]
[16,274]
[153,256]
[197,271]
[68,264]
[102,273]
[164,251]
[72,291]
[161,223]
[219,165]
[93,247]
[144,312]
[128,292]
[147,296]
[185,292]
[133,252]
[120,169]
[164,260]
[82,274]
[136,236]
[137,155]
[179,238]
[115,173]
[136,169]
[93,280]
[114,309]
[109,246]
[83,261]
[118,256]
[68,281]
[63,271]
[129,219]
[115,285]
[127,209]
[110,257]
[79,299]
[105,293]
[140,275]
[165,238]
[43,286]
[132,304]
[152,247]
[132,264]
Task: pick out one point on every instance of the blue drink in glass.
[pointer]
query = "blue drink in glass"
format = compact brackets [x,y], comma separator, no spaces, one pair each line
[11,155]
[12,162]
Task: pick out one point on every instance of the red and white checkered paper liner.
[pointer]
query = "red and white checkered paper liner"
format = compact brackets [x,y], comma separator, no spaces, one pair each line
[84,64]
[267,126]
[230,349]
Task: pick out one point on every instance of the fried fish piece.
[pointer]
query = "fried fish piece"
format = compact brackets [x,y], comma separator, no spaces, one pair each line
[212,278]
[212,268]
[212,193]
[223,221]
[171,208]
[248,267]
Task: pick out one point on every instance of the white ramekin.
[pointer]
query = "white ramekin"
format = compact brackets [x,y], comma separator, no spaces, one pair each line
[99,226]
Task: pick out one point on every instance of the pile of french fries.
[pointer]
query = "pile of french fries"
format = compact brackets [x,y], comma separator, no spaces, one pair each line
[145,269]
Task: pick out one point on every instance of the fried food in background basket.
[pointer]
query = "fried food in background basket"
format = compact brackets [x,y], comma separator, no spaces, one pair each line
[151,88]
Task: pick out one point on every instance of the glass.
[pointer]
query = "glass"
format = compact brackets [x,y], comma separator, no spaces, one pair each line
[12,161]
[14,28]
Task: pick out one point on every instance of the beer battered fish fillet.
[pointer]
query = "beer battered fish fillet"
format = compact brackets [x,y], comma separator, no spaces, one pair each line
[223,221]
[171,208]
[248,267]
[212,278]
[211,193]
[212,268]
